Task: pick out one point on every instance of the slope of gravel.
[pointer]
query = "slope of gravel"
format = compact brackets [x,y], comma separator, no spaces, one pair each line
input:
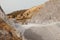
[48,14]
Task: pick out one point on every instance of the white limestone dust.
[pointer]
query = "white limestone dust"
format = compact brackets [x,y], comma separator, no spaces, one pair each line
[37,25]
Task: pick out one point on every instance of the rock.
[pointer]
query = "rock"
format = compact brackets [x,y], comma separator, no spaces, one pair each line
[7,30]
[17,15]
[7,33]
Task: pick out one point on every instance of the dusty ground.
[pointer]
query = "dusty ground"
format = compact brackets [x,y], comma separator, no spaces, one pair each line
[48,13]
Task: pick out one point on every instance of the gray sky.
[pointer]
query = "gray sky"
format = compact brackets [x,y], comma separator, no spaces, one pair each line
[13,5]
